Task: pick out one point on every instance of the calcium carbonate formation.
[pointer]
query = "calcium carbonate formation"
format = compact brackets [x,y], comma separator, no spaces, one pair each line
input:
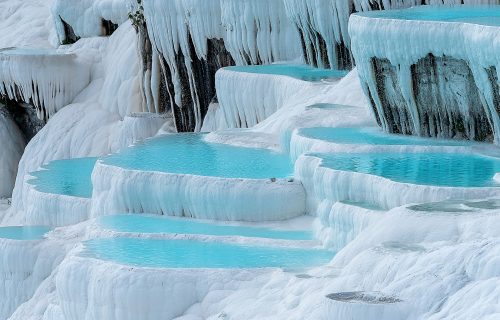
[184,43]
[392,249]
[193,39]
[250,98]
[323,26]
[431,78]
[12,149]
[76,19]
[45,78]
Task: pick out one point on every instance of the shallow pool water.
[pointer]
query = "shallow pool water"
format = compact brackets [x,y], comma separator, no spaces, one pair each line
[373,136]
[364,205]
[301,72]
[155,224]
[437,169]
[31,52]
[451,206]
[71,177]
[457,206]
[190,154]
[199,254]
[484,15]
[490,204]
[23,233]
[327,106]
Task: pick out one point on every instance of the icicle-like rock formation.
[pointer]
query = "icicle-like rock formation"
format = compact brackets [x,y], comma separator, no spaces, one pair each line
[246,99]
[45,78]
[195,38]
[185,42]
[187,37]
[250,95]
[258,31]
[26,118]
[323,25]
[76,19]
[12,150]
[101,120]
[323,31]
[431,78]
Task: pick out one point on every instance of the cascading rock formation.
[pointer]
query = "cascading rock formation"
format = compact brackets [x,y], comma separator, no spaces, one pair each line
[249,159]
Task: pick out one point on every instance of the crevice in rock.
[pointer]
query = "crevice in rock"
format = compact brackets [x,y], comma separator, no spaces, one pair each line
[69,34]
[447,100]
[444,87]
[25,117]
[197,85]
[394,109]
[495,88]
[108,27]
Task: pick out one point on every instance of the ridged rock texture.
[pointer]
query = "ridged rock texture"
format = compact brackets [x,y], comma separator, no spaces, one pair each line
[430,78]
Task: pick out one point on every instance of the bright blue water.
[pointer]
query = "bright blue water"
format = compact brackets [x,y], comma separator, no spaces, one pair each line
[23,233]
[189,154]
[301,72]
[373,136]
[484,15]
[199,254]
[155,224]
[438,169]
[70,177]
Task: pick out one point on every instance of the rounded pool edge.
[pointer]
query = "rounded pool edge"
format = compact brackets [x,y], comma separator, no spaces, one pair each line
[301,144]
[116,190]
[375,136]
[339,185]
[300,72]
[431,168]
[66,177]
[155,225]
[56,210]
[418,13]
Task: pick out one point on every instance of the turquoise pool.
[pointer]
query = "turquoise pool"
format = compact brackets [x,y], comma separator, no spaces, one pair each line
[70,177]
[23,233]
[190,154]
[198,254]
[297,71]
[484,15]
[155,224]
[437,169]
[373,136]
